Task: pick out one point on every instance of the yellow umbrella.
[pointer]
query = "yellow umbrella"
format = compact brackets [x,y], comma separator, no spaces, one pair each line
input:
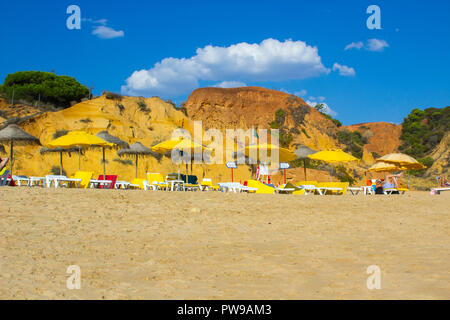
[79,139]
[265,150]
[332,156]
[382,166]
[400,159]
[180,144]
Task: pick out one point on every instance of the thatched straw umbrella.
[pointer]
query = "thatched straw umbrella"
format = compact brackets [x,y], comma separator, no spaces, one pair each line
[303,152]
[45,150]
[105,135]
[137,149]
[12,134]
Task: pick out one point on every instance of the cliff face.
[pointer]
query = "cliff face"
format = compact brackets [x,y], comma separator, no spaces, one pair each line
[382,137]
[148,121]
[441,156]
[248,107]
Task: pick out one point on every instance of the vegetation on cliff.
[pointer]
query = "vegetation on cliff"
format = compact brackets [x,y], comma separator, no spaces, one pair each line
[422,131]
[46,87]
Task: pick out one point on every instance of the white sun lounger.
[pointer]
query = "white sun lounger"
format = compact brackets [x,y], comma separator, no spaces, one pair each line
[36,181]
[59,180]
[354,190]
[234,187]
[439,190]
[21,180]
[97,183]
[122,185]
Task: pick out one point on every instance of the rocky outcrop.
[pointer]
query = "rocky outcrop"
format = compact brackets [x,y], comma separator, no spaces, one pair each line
[382,137]
[259,108]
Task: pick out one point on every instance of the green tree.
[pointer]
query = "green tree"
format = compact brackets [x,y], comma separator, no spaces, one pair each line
[30,86]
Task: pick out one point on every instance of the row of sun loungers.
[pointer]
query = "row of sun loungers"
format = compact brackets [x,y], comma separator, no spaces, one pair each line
[155,181]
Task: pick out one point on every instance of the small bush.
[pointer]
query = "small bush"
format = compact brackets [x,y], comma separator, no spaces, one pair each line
[125,162]
[143,106]
[55,170]
[86,120]
[120,107]
[112,96]
[60,133]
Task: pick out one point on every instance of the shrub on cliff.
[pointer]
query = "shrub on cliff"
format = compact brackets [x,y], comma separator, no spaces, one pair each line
[423,130]
[30,86]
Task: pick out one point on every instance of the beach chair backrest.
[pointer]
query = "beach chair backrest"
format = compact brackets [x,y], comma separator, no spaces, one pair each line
[306,183]
[155,177]
[207,182]
[139,182]
[85,178]
[111,177]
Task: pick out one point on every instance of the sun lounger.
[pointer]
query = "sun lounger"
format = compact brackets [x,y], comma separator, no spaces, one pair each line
[395,190]
[157,180]
[439,190]
[100,183]
[137,184]
[206,185]
[59,180]
[354,190]
[85,179]
[36,181]
[235,187]
[21,180]
[192,187]
[121,185]
[112,178]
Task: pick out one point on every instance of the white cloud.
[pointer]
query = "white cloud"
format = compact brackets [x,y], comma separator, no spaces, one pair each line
[301,93]
[270,60]
[105,32]
[230,84]
[376,45]
[344,70]
[101,21]
[371,45]
[326,108]
[354,45]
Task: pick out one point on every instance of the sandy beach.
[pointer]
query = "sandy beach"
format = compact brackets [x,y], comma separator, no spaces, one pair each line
[210,245]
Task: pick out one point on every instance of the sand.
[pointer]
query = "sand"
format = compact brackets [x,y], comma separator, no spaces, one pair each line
[210,245]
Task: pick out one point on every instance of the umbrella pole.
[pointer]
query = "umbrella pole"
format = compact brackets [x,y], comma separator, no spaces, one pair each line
[11,156]
[104,164]
[79,159]
[60,164]
[136,165]
[304,166]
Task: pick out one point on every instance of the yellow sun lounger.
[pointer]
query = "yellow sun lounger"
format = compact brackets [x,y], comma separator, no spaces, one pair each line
[85,178]
[206,185]
[264,188]
[156,180]
[137,184]
[337,188]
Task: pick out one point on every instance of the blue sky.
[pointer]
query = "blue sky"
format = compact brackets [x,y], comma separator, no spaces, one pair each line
[295,46]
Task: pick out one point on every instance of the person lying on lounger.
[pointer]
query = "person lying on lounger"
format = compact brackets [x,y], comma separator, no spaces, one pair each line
[391,181]
[379,187]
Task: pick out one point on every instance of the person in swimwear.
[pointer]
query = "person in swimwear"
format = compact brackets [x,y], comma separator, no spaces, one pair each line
[3,162]
[391,181]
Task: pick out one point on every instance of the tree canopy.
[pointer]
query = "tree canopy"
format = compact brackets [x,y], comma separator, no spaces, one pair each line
[59,91]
